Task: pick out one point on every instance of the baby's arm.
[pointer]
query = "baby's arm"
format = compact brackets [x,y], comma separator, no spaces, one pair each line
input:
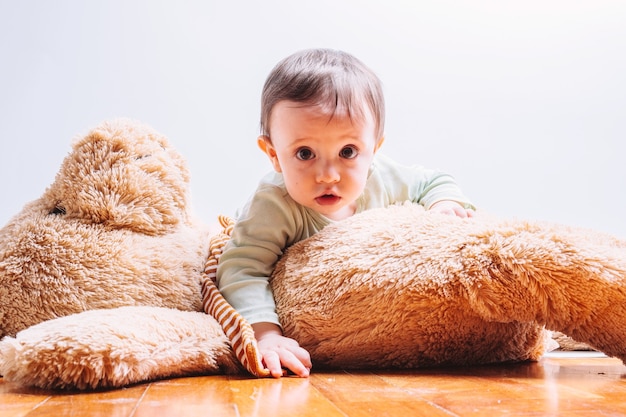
[280,352]
[265,227]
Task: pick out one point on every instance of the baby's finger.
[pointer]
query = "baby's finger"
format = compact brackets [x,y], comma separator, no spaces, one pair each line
[303,356]
[291,362]
[272,362]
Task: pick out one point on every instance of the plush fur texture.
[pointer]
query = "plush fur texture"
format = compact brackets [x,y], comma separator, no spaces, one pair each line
[401,287]
[396,287]
[115,228]
[117,347]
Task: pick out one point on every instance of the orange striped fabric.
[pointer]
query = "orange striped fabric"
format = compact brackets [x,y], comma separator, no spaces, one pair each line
[237,329]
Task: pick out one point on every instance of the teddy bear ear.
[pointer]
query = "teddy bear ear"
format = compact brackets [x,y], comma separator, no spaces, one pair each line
[123,175]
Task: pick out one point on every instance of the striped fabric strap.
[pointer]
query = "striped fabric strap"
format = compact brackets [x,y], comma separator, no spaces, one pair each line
[237,329]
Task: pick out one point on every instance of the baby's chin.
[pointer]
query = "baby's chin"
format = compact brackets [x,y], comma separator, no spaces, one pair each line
[335,213]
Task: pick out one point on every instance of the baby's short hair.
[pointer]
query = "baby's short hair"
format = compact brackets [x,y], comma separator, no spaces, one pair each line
[332,79]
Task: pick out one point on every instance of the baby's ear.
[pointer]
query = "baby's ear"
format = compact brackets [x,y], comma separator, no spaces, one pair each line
[379,144]
[265,144]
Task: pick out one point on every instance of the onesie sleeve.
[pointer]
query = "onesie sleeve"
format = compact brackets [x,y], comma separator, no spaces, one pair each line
[438,186]
[392,183]
[265,227]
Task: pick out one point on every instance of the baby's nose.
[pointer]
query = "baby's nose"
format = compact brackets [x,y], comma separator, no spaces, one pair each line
[327,173]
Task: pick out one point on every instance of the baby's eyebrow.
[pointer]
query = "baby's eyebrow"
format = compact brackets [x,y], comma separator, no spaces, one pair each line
[299,141]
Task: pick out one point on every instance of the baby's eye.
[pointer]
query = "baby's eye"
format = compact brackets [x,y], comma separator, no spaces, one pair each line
[304,154]
[348,152]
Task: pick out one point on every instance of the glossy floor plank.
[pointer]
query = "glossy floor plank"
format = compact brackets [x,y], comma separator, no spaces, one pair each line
[572,384]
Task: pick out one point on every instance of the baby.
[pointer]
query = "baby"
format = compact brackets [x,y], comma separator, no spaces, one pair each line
[322,124]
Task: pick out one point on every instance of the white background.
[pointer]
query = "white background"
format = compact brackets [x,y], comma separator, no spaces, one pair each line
[522,101]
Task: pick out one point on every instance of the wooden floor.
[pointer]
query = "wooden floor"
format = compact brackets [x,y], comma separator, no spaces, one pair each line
[568,384]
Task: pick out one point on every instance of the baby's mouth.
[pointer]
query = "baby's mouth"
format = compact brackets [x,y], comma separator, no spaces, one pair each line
[327,199]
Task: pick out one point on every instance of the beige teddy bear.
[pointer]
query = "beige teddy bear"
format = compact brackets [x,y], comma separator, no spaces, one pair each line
[114,229]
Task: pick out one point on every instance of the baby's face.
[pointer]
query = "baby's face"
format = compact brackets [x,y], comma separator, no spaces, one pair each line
[324,161]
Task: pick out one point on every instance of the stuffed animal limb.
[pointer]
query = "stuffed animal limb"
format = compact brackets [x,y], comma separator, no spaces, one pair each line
[568,279]
[117,347]
[404,287]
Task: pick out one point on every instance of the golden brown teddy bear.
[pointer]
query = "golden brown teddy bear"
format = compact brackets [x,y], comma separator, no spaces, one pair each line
[100,281]
[115,228]
[114,237]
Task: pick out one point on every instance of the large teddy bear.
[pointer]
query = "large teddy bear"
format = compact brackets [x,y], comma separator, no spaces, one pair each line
[106,281]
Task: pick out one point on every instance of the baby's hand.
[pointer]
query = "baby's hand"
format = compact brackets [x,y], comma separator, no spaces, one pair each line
[280,352]
[451,208]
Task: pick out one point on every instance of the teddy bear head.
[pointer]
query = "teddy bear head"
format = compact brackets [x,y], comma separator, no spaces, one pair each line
[114,228]
[122,175]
